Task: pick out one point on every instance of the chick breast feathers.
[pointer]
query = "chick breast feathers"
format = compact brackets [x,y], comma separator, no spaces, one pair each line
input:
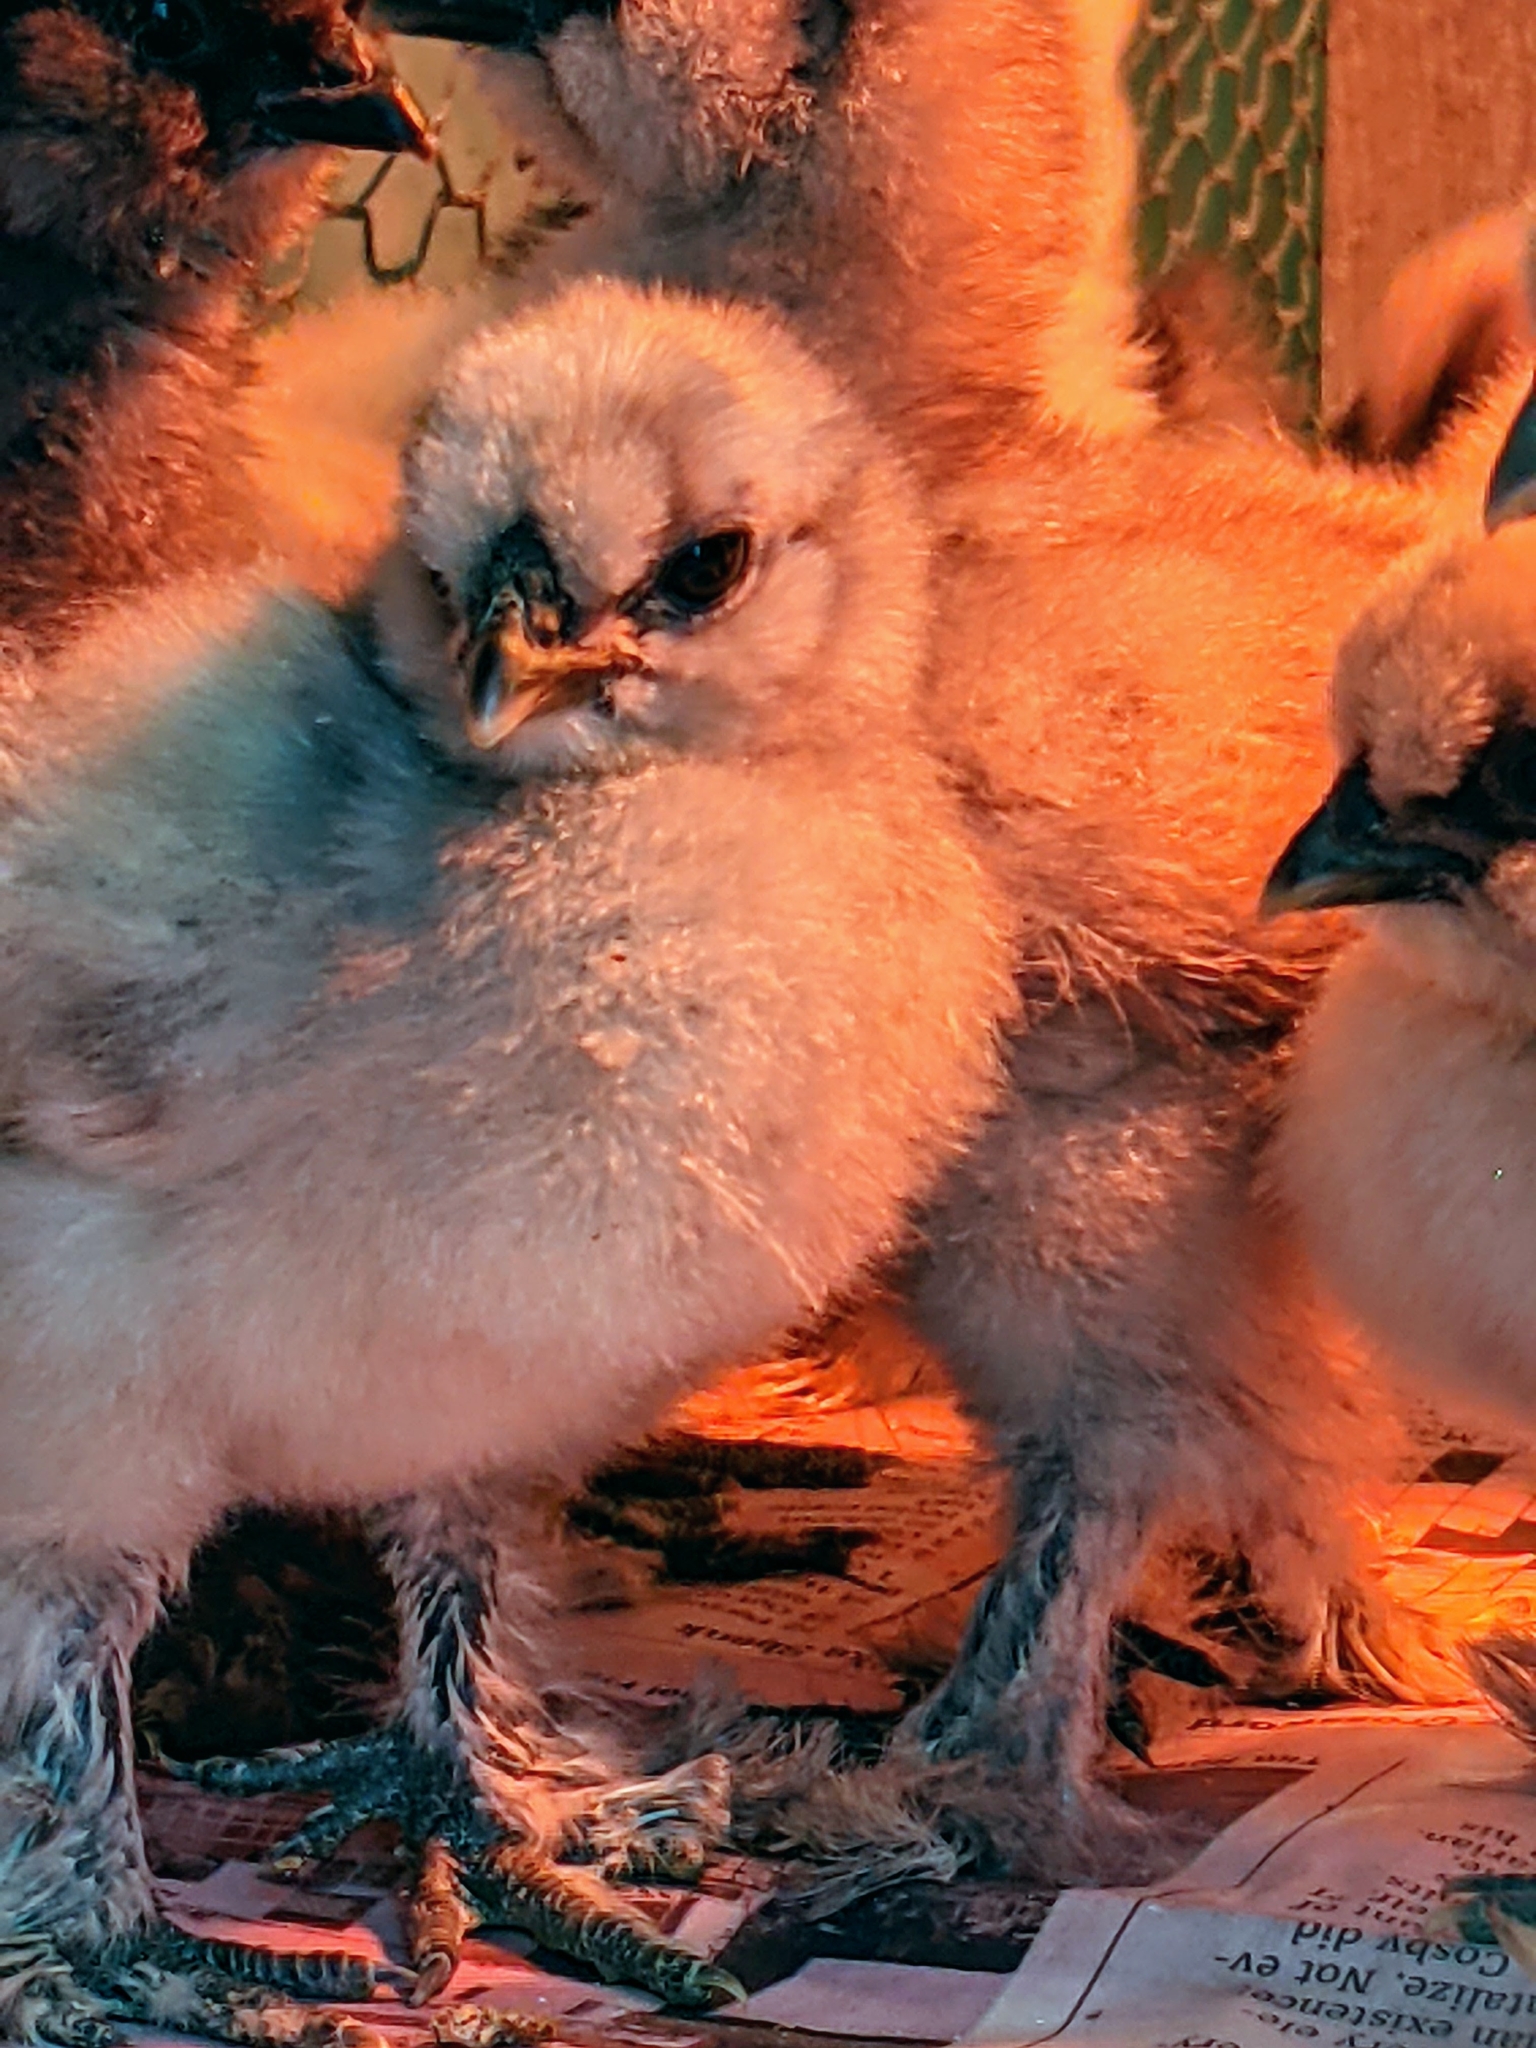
[374,1118]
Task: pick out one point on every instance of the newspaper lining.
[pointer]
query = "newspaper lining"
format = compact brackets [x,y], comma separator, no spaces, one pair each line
[1303,1920]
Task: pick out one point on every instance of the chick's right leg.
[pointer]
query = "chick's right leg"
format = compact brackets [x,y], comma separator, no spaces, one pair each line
[1120,1308]
[72,1873]
[81,1945]
[510,1821]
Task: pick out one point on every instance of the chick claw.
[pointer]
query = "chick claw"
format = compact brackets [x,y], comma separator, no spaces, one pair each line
[1491,1910]
[477,2026]
[472,1870]
[437,1918]
[78,1997]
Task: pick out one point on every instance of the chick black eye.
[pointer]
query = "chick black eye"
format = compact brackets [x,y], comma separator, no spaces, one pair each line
[173,31]
[1507,776]
[1512,487]
[702,573]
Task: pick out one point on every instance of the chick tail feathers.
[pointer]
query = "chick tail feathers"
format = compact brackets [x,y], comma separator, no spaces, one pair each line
[1092,370]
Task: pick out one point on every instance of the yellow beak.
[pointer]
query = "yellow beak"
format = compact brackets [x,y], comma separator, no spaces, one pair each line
[509,681]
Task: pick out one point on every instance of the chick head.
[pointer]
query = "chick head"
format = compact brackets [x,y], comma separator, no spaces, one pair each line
[141,139]
[270,72]
[1431,825]
[687,95]
[638,523]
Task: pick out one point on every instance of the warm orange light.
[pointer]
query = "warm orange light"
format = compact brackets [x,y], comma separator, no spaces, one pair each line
[870,1384]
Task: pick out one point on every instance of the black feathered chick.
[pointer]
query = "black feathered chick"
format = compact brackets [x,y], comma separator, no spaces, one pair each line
[148,167]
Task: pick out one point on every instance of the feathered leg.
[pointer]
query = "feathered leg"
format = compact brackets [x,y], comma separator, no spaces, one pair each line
[1030,1688]
[998,1766]
[1034,1591]
[1114,1300]
[1498,1907]
[81,1946]
[72,1870]
[512,1823]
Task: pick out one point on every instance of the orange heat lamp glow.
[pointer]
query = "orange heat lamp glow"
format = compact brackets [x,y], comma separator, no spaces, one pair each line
[867,1383]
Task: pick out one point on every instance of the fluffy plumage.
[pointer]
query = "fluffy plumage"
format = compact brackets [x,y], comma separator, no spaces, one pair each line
[1407,1144]
[1138,634]
[430,1042]
[1456,313]
[148,167]
[1137,625]
[1409,1140]
[1135,635]
[937,193]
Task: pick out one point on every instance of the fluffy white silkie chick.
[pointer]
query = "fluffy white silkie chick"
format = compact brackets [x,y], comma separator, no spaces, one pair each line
[1409,1140]
[1137,627]
[1407,1147]
[1410,1135]
[938,191]
[433,1038]
[1137,633]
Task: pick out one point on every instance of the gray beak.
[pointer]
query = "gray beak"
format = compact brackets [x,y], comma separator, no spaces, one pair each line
[1349,851]
[375,113]
[1512,487]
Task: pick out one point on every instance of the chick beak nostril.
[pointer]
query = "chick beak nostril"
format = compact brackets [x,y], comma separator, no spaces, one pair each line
[545,622]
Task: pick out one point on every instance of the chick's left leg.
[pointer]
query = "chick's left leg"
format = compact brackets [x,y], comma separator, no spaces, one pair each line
[509,1821]
[1497,1906]
[1033,1686]
[1113,1297]
[81,1945]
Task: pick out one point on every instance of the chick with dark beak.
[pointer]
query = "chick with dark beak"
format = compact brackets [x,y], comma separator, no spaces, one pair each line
[1352,851]
[361,105]
[523,667]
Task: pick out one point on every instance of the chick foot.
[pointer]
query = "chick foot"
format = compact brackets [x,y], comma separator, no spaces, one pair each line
[82,1949]
[78,1996]
[473,1867]
[1497,1908]
[1490,1911]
